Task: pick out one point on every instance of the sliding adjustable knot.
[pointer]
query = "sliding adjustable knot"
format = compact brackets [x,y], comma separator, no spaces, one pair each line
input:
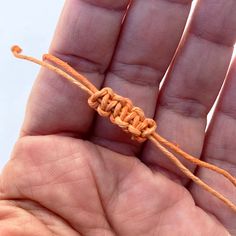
[131,119]
[121,112]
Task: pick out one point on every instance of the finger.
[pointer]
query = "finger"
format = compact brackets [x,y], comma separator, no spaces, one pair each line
[85,37]
[194,81]
[146,47]
[220,149]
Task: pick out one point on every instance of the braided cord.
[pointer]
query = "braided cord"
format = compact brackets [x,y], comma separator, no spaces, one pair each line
[130,119]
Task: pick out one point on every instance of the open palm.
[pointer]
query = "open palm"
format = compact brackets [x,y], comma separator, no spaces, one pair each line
[74,173]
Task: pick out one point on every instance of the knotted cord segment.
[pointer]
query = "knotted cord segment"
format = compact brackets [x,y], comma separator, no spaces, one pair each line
[131,119]
[121,112]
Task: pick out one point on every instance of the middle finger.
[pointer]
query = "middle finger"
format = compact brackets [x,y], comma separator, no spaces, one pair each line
[151,33]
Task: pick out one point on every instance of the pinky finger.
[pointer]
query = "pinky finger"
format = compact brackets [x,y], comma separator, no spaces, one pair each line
[220,149]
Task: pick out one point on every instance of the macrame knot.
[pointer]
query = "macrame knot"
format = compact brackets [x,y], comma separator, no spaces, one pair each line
[121,112]
[131,119]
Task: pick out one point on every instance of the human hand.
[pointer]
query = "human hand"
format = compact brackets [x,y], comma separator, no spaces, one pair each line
[73,173]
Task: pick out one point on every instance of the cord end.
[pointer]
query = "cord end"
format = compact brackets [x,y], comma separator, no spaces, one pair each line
[16,49]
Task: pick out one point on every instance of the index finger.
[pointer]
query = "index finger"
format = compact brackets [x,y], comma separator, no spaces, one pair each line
[86,37]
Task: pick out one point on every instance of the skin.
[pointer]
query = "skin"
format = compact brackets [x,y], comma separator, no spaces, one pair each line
[73,173]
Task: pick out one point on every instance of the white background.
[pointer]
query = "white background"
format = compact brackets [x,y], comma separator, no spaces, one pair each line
[30,24]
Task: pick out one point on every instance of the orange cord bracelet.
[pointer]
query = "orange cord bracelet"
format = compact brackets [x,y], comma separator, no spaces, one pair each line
[131,119]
